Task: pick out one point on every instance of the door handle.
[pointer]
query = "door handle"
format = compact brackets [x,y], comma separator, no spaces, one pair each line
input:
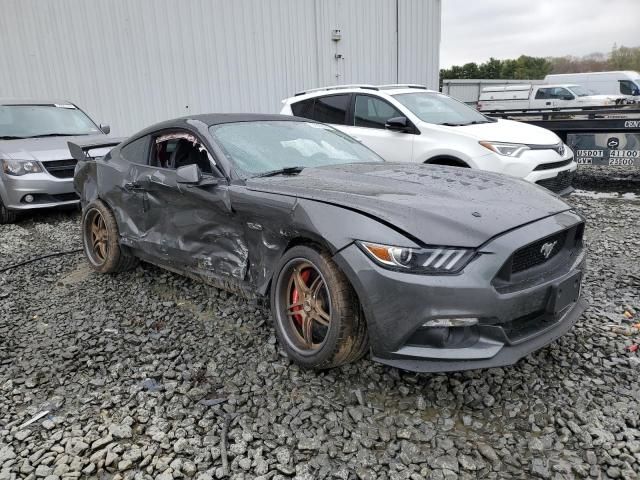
[132,186]
[156,181]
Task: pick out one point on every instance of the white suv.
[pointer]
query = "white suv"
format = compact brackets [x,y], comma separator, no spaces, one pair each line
[408,123]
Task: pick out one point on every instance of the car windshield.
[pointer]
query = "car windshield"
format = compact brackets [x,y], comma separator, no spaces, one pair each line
[260,147]
[26,121]
[432,107]
[579,91]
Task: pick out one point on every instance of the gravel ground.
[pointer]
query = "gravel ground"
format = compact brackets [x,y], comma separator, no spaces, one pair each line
[150,375]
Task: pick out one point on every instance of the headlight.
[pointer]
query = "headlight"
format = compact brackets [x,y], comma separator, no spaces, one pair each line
[419,260]
[506,149]
[20,167]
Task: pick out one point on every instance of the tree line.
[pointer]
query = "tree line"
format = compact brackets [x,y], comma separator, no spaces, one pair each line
[536,68]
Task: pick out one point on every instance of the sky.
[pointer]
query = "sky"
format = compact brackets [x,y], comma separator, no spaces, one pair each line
[474,30]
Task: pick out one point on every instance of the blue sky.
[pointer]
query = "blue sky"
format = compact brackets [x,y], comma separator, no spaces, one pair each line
[474,30]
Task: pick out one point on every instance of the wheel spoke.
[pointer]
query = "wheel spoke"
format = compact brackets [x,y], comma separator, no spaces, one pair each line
[322,317]
[290,308]
[307,330]
[315,286]
[300,284]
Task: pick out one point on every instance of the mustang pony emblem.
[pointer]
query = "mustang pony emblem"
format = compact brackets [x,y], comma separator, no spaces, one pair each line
[547,248]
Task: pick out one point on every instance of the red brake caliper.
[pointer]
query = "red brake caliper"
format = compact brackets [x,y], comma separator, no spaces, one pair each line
[294,296]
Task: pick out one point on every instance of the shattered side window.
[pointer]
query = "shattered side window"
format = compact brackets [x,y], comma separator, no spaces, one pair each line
[179,149]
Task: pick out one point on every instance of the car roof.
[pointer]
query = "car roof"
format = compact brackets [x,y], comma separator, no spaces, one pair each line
[210,119]
[380,90]
[31,101]
[557,85]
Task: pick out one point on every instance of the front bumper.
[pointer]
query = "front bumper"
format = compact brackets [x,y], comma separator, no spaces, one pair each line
[514,321]
[47,190]
[543,167]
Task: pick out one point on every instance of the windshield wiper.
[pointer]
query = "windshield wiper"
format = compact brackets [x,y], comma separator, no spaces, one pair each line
[10,137]
[57,135]
[282,171]
[474,122]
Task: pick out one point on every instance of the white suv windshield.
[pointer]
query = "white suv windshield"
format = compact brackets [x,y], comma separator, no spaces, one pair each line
[579,91]
[27,121]
[260,147]
[432,107]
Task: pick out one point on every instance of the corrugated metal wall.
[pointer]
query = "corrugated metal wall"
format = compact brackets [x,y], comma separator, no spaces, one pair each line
[132,63]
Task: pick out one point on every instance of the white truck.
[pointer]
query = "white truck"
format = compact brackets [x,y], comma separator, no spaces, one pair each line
[605,83]
[536,97]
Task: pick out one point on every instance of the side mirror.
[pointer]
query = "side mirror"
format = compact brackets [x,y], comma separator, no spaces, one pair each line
[397,124]
[106,129]
[568,97]
[190,174]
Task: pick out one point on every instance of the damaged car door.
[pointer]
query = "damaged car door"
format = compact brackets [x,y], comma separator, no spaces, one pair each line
[190,223]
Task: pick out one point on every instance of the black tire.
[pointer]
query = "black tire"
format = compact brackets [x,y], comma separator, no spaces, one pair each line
[100,240]
[340,336]
[6,216]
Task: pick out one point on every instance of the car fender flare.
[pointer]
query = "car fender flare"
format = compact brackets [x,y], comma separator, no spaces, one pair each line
[314,223]
[449,160]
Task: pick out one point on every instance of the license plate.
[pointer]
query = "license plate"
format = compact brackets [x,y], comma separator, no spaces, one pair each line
[566,293]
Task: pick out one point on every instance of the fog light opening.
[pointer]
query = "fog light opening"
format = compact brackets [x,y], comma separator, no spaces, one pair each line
[451,322]
[28,198]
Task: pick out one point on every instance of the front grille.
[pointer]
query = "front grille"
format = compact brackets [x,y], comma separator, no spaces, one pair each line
[538,252]
[552,165]
[61,168]
[558,183]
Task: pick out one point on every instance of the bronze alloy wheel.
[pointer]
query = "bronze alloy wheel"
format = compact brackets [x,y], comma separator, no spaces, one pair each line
[318,319]
[305,306]
[96,237]
[100,238]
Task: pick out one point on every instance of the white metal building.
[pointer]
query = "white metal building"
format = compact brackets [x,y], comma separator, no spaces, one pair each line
[131,63]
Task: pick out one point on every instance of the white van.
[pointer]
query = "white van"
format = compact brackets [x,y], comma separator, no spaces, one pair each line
[604,83]
[408,123]
[525,97]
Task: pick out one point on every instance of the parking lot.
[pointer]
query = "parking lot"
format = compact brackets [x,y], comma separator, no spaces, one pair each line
[150,375]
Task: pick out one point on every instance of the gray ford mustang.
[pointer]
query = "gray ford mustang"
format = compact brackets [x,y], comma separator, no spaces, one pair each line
[428,268]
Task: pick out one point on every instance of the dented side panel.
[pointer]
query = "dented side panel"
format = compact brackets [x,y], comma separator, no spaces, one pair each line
[273,222]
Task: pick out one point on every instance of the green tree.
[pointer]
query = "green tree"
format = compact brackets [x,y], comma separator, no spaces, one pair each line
[490,69]
[524,67]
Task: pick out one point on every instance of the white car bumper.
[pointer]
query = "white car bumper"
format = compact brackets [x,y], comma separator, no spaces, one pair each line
[543,167]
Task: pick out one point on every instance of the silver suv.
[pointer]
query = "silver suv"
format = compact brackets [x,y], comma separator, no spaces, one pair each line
[36,168]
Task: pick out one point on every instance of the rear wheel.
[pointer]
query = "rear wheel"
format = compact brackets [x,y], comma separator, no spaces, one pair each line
[316,313]
[6,216]
[100,240]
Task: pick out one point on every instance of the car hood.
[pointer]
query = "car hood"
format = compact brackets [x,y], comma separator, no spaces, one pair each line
[42,149]
[432,204]
[509,131]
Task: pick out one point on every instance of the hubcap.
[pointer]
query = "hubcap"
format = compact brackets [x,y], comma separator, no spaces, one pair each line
[307,306]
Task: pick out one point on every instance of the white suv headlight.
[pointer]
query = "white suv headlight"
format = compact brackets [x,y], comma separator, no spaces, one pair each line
[18,168]
[506,149]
